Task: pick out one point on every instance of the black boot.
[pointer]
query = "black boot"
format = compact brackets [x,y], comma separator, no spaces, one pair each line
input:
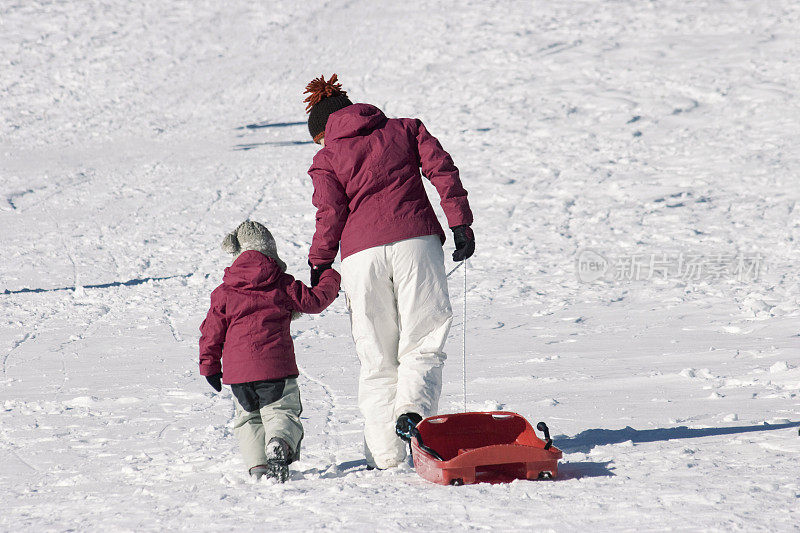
[405,424]
[278,459]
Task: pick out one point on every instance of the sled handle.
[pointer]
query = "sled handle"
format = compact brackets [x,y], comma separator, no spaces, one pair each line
[541,426]
[415,433]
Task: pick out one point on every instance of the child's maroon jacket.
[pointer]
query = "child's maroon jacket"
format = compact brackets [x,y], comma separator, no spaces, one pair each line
[367,185]
[246,331]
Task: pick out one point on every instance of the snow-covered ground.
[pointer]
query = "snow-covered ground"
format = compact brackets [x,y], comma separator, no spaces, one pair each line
[622,134]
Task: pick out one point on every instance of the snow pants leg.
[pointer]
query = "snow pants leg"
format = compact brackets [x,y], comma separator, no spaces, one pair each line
[267,409]
[400,316]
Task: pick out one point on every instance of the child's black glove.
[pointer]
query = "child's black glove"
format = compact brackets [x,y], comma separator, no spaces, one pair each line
[215,381]
[465,242]
[316,272]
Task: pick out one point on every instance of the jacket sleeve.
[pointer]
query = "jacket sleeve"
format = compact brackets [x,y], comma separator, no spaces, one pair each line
[314,299]
[331,202]
[438,166]
[212,336]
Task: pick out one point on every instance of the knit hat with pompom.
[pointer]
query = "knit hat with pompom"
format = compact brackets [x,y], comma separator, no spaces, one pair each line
[252,236]
[324,97]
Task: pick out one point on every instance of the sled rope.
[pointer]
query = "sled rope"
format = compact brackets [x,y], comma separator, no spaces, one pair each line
[464,334]
[456,268]
[464,340]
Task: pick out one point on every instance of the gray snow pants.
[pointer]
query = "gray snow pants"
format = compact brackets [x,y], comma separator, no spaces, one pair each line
[267,409]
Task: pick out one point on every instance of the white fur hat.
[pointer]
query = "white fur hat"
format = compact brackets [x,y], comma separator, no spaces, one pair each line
[252,236]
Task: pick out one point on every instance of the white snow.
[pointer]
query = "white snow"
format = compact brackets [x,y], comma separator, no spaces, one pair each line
[585,131]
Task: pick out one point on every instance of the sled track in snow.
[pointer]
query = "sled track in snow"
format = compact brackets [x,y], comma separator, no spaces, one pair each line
[168,318]
[16,345]
[90,328]
[330,419]
[10,447]
[30,335]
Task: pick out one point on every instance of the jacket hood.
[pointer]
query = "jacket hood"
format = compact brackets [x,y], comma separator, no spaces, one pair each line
[353,120]
[252,270]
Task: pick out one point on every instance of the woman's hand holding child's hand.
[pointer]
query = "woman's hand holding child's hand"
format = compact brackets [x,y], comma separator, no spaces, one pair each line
[316,272]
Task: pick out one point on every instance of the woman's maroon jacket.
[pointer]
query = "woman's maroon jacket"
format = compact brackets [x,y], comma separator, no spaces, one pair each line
[367,185]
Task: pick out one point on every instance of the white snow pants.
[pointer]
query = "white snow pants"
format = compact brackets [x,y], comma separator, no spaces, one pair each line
[400,316]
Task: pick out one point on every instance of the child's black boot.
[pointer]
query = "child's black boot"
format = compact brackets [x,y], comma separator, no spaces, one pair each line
[278,458]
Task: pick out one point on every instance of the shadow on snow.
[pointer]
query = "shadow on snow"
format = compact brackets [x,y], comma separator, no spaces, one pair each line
[583,469]
[129,283]
[250,146]
[586,440]
[259,125]
[335,471]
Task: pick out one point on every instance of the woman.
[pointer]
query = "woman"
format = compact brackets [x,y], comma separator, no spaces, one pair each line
[371,201]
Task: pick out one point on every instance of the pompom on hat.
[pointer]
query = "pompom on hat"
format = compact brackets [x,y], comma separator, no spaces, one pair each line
[252,236]
[324,98]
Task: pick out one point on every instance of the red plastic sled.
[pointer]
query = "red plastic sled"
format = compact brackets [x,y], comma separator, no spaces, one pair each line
[490,447]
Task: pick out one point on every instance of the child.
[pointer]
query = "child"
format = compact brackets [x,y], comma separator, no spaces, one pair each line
[371,204]
[247,327]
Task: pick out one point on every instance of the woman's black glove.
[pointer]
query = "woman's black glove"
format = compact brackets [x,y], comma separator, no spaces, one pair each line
[316,272]
[215,381]
[465,242]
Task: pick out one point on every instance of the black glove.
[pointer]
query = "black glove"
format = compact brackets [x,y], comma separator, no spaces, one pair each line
[404,428]
[316,272]
[465,242]
[215,381]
